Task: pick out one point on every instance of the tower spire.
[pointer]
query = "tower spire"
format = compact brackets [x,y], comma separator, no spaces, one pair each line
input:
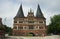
[39,12]
[20,12]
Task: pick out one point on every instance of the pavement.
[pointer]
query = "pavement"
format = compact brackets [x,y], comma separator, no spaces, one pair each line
[27,37]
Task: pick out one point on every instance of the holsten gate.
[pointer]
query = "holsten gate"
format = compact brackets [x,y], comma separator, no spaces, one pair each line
[34,25]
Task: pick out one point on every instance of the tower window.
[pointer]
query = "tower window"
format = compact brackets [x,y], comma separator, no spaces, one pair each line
[25,27]
[41,22]
[15,21]
[20,27]
[15,27]
[31,27]
[36,27]
[30,21]
[40,27]
[20,21]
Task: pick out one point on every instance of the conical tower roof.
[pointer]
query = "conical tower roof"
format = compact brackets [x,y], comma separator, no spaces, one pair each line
[39,12]
[20,13]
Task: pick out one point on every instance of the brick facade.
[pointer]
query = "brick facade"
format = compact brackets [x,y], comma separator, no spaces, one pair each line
[29,25]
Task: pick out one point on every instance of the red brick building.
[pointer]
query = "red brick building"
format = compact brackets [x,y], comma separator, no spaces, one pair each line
[34,25]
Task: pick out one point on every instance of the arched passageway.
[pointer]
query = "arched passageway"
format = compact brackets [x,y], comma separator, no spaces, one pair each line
[31,34]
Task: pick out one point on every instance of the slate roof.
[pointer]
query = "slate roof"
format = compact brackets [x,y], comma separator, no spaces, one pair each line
[39,13]
[20,13]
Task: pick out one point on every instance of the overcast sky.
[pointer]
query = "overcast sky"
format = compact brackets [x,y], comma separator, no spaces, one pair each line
[9,9]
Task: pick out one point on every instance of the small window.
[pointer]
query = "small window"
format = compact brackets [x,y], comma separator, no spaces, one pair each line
[30,21]
[15,21]
[20,27]
[25,27]
[20,21]
[31,27]
[37,27]
[40,27]
[15,27]
[41,22]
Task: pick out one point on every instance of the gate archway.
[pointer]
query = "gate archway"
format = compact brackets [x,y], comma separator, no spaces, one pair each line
[31,34]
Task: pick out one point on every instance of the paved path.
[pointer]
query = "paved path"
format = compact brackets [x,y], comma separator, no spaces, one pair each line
[46,37]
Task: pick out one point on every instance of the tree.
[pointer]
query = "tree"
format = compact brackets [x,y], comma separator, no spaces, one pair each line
[2,27]
[54,26]
[6,29]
